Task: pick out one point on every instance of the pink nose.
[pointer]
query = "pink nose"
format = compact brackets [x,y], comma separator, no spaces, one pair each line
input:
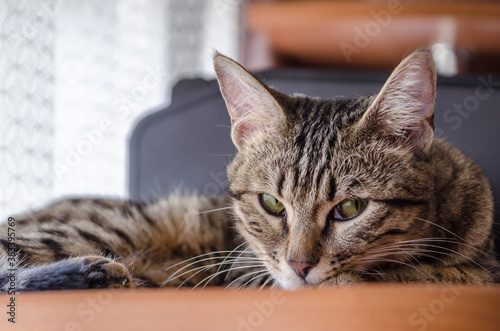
[301,268]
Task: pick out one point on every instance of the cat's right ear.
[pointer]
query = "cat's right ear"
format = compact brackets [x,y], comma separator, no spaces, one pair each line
[253,110]
[402,113]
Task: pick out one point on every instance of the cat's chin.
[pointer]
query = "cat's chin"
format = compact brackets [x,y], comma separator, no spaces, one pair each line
[295,284]
[292,285]
[341,280]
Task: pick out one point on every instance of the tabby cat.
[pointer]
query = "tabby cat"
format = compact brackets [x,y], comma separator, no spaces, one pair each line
[323,192]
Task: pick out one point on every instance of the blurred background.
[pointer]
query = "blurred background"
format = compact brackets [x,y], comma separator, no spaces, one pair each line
[77,76]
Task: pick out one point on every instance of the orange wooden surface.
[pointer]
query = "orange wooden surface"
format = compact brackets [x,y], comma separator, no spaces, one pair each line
[312,32]
[378,307]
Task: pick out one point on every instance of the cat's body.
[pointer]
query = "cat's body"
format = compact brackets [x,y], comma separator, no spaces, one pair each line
[322,192]
[147,238]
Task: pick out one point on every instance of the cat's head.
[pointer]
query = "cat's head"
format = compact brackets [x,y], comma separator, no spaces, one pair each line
[319,186]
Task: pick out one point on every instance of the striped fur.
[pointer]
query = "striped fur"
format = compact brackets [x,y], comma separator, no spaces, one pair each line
[428,218]
[144,244]
[430,208]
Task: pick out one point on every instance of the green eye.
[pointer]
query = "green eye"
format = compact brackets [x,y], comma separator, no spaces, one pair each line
[271,205]
[349,208]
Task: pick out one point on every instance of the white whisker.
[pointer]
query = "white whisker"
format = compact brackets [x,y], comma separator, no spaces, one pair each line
[244,275]
[211,211]
[269,278]
[236,250]
[441,227]
[206,267]
[211,277]
[260,273]
[227,275]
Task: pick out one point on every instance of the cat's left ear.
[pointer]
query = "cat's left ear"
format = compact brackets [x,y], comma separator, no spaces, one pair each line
[253,109]
[403,111]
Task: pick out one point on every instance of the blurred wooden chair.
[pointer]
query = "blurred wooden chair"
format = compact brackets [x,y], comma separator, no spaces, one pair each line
[371,34]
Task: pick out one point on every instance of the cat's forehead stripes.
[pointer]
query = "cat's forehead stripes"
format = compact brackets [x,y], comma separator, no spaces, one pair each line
[314,138]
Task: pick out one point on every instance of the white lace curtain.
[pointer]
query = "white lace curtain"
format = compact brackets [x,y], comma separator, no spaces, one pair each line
[76,76]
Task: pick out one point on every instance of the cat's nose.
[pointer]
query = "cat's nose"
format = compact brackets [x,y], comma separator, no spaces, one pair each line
[301,268]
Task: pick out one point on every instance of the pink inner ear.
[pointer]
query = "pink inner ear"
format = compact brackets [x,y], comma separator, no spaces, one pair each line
[232,94]
[414,84]
[424,91]
[406,103]
[421,134]
[251,106]
[243,122]
[427,97]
